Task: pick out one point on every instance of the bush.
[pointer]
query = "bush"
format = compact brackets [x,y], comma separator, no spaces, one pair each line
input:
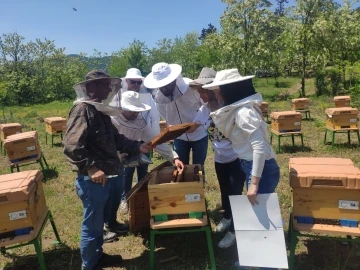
[320,83]
[335,80]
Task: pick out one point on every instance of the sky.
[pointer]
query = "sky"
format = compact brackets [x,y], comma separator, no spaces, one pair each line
[106,25]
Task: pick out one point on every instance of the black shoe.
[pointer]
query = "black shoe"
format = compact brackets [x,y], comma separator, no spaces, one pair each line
[110,237]
[118,228]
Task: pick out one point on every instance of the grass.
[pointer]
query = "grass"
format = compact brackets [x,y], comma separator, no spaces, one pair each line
[190,249]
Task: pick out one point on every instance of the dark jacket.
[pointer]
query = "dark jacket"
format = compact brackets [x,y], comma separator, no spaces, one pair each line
[92,140]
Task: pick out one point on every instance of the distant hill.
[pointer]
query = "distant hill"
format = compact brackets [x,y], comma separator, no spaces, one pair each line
[95,62]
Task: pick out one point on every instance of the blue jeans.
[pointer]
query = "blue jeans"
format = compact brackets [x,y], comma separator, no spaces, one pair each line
[96,201]
[114,202]
[199,149]
[270,176]
[128,178]
[269,179]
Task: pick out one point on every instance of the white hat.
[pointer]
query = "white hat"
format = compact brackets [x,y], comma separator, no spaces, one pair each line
[132,101]
[133,73]
[226,76]
[162,74]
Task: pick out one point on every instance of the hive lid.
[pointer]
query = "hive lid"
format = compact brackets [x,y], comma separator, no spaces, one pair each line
[294,100]
[2,126]
[146,179]
[171,133]
[19,136]
[17,186]
[324,176]
[49,120]
[320,161]
[341,111]
[341,98]
[285,114]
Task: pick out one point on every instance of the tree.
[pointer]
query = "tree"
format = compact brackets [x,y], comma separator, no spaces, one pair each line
[300,34]
[207,31]
[245,23]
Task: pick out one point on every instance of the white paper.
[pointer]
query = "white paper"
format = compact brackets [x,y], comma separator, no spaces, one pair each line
[264,216]
[259,231]
[262,249]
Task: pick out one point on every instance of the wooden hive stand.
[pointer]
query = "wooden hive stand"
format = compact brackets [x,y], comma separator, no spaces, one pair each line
[54,126]
[286,124]
[177,205]
[8,130]
[325,201]
[301,105]
[24,149]
[341,120]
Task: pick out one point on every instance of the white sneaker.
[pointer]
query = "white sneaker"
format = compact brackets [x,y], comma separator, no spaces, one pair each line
[228,240]
[223,225]
[124,208]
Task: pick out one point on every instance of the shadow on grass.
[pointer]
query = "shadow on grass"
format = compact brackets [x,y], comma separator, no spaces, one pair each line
[328,254]
[288,149]
[50,173]
[344,145]
[58,258]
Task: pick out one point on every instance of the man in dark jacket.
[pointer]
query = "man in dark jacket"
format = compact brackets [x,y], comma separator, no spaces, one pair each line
[91,143]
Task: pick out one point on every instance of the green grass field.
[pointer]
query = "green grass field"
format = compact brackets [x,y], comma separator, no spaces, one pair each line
[191,250]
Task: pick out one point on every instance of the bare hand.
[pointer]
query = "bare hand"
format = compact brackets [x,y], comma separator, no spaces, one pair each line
[145,147]
[179,165]
[193,128]
[251,193]
[97,176]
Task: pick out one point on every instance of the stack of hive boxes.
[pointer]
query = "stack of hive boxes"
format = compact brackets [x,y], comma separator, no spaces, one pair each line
[341,118]
[22,203]
[55,125]
[342,101]
[287,121]
[9,129]
[300,103]
[22,147]
[325,191]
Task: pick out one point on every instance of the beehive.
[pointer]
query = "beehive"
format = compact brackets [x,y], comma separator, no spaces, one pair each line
[300,103]
[342,101]
[325,191]
[9,129]
[185,197]
[264,107]
[55,125]
[287,121]
[340,118]
[22,147]
[22,201]
[138,200]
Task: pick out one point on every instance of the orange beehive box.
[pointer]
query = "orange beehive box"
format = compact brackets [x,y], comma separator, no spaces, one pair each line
[325,192]
[55,125]
[339,118]
[342,101]
[264,107]
[22,147]
[287,121]
[22,201]
[9,129]
[300,103]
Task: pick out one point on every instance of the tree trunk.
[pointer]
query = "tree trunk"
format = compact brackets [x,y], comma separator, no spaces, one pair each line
[303,75]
